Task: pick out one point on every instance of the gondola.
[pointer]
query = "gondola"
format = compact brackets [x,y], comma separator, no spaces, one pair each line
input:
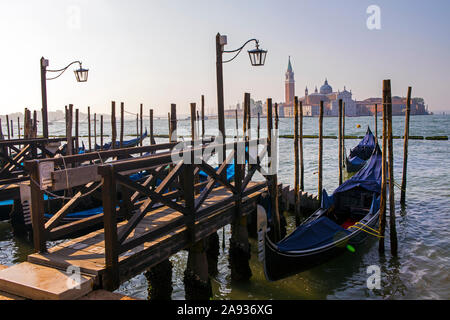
[125,144]
[345,219]
[361,153]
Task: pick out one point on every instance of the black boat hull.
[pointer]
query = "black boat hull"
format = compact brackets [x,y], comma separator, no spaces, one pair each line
[279,265]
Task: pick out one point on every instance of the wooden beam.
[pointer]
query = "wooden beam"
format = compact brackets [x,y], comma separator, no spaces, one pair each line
[382,221]
[319,191]
[340,143]
[405,147]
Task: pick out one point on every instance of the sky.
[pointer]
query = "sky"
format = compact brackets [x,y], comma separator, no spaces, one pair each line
[162,52]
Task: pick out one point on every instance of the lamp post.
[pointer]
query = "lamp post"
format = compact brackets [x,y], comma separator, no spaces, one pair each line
[257,58]
[80,74]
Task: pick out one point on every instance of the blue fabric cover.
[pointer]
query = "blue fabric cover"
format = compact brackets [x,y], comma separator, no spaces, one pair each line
[327,201]
[369,177]
[356,161]
[364,149]
[314,234]
[126,144]
[81,214]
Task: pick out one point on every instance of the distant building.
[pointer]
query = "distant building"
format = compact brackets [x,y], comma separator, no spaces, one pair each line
[367,107]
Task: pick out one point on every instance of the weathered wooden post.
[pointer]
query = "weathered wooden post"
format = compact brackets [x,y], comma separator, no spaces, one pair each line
[203,116]
[173,123]
[302,168]
[95,130]
[392,227]
[89,129]
[152,138]
[258,126]
[141,124]
[34,124]
[170,129]
[296,165]
[159,279]
[319,195]
[18,126]
[382,218]
[343,131]
[122,119]
[405,147]
[376,121]
[137,125]
[77,133]
[272,174]
[109,191]
[101,132]
[113,125]
[193,135]
[7,127]
[12,129]
[340,142]
[37,207]
[69,130]
[237,124]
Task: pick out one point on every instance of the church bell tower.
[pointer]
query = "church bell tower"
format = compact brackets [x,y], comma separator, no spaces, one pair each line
[289,85]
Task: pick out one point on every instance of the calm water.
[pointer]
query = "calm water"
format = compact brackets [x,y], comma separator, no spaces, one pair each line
[421,270]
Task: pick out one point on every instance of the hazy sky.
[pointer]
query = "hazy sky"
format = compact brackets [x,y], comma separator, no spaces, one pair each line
[162,52]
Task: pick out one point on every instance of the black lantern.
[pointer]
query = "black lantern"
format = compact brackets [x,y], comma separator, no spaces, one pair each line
[81,74]
[257,56]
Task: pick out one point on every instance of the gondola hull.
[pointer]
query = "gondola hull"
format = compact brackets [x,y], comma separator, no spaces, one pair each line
[279,265]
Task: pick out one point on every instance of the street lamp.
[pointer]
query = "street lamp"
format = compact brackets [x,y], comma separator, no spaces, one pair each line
[257,58]
[80,74]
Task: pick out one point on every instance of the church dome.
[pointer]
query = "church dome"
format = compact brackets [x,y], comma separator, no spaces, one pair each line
[326,88]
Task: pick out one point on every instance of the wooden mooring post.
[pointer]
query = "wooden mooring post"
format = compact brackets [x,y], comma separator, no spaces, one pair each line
[141,124]
[340,151]
[343,130]
[382,222]
[113,125]
[69,117]
[272,179]
[405,147]
[376,121]
[77,133]
[18,127]
[89,129]
[392,227]
[122,118]
[320,151]
[302,167]
[203,116]
[12,128]
[173,123]
[101,132]
[296,165]
[95,130]
[7,127]
[152,138]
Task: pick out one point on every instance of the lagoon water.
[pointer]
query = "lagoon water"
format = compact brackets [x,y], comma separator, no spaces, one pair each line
[423,226]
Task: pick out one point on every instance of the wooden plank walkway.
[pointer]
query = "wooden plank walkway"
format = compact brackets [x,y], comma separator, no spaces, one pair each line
[88,252]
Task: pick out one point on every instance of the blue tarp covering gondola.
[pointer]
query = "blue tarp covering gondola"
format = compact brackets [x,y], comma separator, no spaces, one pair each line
[369,177]
[363,150]
[315,234]
[125,144]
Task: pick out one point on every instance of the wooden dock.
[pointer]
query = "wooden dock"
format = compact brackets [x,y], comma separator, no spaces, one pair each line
[160,220]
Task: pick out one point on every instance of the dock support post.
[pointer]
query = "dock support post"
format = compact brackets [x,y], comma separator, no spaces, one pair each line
[296,166]
[37,208]
[392,227]
[320,151]
[382,218]
[110,226]
[159,279]
[405,147]
[7,127]
[196,278]
[212,253]
[343,129]
[340,142]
